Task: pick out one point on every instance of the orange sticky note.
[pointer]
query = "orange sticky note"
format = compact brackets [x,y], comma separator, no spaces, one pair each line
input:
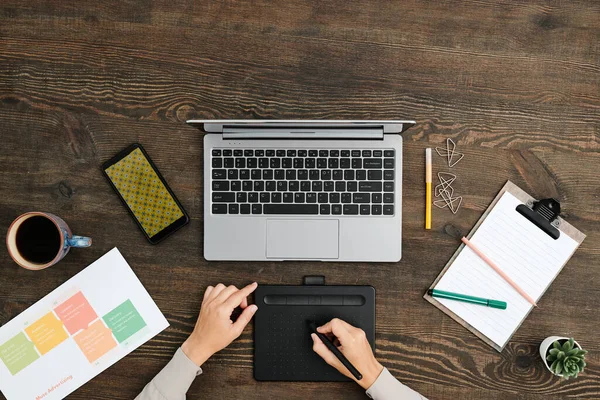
[76,313]
[95,341]
[46,333]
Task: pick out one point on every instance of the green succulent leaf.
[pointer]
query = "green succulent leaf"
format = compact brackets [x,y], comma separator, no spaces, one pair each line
[559,367]
[568,345]
[573,352]
[560,355]
[553,351]
[557,345]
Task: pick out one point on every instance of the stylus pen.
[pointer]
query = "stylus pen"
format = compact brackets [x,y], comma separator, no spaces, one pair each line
[428,188]
[442,294]
[336,352]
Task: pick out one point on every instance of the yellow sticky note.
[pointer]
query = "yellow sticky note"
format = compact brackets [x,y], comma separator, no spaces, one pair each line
[46,333]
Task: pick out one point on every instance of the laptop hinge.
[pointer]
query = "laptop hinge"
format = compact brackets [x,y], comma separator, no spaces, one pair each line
[310,132]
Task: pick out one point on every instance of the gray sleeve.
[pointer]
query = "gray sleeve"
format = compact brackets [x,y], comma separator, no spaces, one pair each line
[386,387]
[173,381]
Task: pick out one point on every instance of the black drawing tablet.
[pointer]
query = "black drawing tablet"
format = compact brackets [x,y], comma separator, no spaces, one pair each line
[282,342]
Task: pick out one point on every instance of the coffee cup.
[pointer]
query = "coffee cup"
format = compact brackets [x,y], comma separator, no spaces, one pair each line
[38,240]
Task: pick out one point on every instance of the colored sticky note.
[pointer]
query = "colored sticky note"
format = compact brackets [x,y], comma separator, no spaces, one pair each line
[95,341]
[124,321]
[76,313]
[46,333]
[18,353]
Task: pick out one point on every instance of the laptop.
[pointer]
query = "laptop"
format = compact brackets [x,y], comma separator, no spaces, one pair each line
[325,190]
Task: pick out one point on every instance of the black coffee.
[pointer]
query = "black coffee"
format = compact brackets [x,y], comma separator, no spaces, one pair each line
[38,240]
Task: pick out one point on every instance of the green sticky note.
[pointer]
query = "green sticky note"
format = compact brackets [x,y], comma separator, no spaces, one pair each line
[124,321]
[18,353]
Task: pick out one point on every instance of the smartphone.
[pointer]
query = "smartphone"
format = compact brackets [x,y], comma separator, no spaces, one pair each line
[145,193]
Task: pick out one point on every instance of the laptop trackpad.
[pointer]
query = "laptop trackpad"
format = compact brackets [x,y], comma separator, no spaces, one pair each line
[302,238]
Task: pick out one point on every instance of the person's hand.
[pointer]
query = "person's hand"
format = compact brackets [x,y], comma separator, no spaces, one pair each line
[353,344]
[214,329]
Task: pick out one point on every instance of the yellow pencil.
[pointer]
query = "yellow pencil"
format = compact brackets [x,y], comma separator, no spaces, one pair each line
[428,188]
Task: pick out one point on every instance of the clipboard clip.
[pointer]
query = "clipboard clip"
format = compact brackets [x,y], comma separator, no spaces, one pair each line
[544,214]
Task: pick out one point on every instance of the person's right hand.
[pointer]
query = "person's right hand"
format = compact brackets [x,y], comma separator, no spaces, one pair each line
[354,345]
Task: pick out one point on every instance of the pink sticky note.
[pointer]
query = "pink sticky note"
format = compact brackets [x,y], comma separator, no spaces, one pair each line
[76,313]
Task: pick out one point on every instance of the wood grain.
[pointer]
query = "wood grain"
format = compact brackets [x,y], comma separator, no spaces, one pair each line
[514,84]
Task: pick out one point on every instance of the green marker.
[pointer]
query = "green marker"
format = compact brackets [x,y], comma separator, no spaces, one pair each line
[467,299]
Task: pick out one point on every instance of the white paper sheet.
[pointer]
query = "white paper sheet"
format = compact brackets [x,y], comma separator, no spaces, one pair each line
[526,254]
[77,331]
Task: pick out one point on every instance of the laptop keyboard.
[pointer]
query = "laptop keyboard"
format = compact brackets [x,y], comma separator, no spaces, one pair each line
[302,182]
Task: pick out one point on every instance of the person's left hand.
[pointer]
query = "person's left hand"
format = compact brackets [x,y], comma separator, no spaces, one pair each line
[214,329]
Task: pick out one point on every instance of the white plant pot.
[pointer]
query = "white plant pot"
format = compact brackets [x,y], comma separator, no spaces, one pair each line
[547,343]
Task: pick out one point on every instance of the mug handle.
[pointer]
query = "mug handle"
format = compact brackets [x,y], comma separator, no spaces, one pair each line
[79,241]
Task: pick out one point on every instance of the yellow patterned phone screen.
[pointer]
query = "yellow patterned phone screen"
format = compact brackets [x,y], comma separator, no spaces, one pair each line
[144,192]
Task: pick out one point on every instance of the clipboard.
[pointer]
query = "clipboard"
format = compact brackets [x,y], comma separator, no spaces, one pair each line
[544,214]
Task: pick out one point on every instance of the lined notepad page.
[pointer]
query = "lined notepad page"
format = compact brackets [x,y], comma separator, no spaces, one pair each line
[523,251]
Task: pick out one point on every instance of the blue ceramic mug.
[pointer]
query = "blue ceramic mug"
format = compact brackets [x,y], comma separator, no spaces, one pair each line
[38,240]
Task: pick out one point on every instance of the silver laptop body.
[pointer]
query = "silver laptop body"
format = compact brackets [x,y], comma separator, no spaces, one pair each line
[302,190]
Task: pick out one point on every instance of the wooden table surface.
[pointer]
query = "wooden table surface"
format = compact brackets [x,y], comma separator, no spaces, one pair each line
[515,84]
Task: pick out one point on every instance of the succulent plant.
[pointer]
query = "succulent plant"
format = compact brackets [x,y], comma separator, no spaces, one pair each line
[566,359]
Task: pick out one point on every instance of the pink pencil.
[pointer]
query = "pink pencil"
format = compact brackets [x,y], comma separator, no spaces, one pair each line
[498,270]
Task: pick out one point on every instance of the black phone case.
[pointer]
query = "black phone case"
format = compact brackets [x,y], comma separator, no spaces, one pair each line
[282,341]
[176,225]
